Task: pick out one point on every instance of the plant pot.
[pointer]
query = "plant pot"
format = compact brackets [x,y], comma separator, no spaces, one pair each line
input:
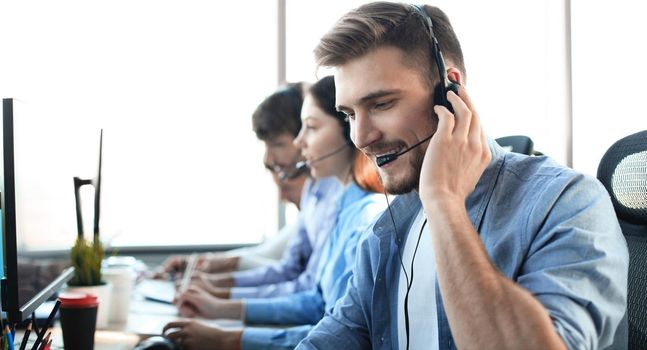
[104,293]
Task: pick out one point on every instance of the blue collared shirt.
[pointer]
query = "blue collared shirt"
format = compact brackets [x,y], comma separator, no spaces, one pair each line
[549,229]
[356,211]
[298,267]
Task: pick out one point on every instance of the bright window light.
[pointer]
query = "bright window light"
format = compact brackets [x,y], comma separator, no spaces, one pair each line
[173,84]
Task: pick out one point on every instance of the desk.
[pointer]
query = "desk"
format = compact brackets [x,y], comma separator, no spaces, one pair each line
[145,318]
[103,339]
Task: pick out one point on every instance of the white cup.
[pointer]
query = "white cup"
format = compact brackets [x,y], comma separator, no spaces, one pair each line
[104,294]
[122,279]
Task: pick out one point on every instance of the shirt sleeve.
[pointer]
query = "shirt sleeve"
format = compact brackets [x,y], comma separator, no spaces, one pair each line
[301,308]
[291,265]
[266,253]
[273,338]
[345,327]
[577,264]
[275,289]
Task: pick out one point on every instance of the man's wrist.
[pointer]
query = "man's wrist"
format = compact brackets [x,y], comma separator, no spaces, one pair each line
[234,339]
[232,262]
[226,280]
[233,309]
[442,202]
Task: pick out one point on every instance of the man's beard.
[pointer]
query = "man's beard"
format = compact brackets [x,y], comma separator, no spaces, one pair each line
[412,179]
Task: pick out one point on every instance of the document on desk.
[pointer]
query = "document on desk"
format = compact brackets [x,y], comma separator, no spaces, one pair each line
[147,325]
[148,315]
[156,290]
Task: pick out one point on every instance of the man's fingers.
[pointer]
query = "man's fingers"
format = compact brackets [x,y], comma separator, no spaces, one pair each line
[462,114]
[187,310]
[173,325]
[446,121]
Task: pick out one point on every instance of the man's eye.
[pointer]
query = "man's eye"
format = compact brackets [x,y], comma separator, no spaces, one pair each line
[384,105]
[349,117]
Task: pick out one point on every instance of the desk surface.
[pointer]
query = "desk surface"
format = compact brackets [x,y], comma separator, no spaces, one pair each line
[103,339]
[145,318]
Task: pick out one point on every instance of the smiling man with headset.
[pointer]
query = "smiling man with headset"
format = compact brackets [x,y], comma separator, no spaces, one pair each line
[508,251]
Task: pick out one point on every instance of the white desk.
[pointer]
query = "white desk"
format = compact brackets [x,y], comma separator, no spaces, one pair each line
[145,318]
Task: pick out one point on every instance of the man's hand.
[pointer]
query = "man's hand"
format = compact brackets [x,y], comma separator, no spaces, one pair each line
[193,335]
[196,302]
[174,263]
[211,263]
[220,280]
[217,262]
[457,155]
[211,285]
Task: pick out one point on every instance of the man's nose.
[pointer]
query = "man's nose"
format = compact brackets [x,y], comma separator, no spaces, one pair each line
[363,131]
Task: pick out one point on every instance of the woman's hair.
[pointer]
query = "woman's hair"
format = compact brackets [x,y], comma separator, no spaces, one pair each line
[363,170]
[279,113]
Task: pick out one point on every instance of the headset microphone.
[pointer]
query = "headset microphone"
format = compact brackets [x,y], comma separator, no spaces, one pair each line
[295,172]
[386,159]
[301,166]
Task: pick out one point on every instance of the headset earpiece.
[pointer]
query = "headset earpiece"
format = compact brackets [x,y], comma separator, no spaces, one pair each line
[453,86]
[440,94]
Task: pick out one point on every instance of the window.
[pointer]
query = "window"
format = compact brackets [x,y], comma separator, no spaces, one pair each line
[609,75]
[173,84]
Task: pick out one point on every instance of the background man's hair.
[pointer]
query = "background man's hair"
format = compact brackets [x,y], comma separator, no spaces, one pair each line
[398,25]
[280,112]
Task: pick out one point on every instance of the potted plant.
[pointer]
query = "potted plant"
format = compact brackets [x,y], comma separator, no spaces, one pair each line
[86,257]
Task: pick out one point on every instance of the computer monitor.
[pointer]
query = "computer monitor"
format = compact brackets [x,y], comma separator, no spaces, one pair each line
[17,306]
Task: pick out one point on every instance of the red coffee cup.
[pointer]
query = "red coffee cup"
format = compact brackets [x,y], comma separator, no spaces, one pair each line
[78,320]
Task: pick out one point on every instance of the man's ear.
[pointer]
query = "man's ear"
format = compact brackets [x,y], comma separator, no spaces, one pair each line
[455,75]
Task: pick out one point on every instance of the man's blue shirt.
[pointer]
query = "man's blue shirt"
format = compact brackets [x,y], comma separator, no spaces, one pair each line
[549,229]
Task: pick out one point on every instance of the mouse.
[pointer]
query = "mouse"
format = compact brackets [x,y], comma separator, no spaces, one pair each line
[156,343]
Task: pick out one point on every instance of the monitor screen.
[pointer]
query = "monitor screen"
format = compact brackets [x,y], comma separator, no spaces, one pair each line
[27,206]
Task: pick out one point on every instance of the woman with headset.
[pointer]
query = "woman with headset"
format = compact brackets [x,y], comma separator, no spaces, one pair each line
[325,143]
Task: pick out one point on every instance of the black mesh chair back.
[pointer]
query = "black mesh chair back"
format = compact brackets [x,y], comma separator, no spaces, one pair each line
[623,171]
[517,144]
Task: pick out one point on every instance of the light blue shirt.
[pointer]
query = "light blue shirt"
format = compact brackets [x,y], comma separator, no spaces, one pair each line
[356,211]
[549,229]
[299,265]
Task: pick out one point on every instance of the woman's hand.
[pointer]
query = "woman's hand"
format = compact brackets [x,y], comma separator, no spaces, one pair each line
[196,302]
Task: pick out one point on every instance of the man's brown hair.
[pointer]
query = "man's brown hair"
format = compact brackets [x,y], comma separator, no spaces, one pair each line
[279,113]
[391,24]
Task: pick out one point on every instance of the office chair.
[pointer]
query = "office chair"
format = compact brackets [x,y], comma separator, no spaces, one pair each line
[518,144]
[623,171]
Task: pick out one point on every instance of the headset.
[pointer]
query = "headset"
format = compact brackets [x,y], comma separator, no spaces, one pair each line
[440,90]
[300,167]
[440,98]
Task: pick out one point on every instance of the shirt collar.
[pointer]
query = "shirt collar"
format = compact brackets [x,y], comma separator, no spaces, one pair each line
[351,193]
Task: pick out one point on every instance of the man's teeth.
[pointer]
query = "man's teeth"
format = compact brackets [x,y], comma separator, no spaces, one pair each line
[389,153]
